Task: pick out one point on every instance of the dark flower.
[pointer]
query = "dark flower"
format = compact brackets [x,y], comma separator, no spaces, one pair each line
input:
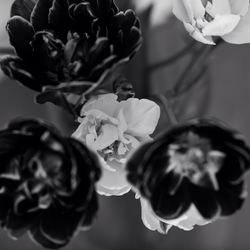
[200,164]
[68,46]
[47,183]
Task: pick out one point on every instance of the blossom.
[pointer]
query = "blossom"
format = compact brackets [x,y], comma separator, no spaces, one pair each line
[227,19]
[160,10]
[113,129]
[191,175]
[47,183]
[68,46]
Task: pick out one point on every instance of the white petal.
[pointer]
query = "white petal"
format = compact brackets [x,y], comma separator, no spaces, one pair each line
[149,219]
[241,34]
[113,182]
[188,10]
[221,25]
[237,7]
[106,103]
[141,116]
[108,136]
[197,35]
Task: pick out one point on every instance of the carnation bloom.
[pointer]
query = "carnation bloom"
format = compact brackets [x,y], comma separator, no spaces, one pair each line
[191,175]
[204,19]
[47,183]
[113,129]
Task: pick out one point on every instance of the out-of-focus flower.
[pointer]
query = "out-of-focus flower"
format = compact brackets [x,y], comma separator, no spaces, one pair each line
[161,9]
[47,183]
[113,129]
[204,19]
[68,46]
[192,174]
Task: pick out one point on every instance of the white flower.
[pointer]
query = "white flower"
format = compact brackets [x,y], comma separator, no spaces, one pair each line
[186,222]
[203,19]
[161,9]
[113,129]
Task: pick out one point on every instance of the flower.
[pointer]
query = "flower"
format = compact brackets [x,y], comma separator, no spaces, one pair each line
[160,11]
[192,174]
[204,19]
[113,129]
[47,183]
[68,46]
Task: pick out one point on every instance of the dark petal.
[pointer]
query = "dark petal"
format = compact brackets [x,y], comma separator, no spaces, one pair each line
[60,227]
[231,198]
[90,213]
[5,206]
[20,33]
[37,236]
[15,68]
[100,51]
[205,201]
[39,15]
[59,18]
[170,206]
[18,225]
[82,17]
[58,98]
[22,8]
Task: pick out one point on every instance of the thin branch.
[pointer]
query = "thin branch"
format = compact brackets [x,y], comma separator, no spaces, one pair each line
[167,108]
[173,58]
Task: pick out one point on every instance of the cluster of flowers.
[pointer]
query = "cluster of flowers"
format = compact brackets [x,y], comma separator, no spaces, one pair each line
[192,174]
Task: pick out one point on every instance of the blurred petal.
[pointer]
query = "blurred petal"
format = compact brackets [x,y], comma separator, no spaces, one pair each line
[106,103]
[187,10]
[22,8]
[241,34]
[221,25]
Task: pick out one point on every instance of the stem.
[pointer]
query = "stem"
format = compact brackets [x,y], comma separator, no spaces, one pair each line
[167,108]
[203,53]
[173,58]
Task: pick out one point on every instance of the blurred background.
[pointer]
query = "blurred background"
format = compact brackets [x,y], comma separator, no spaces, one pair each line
[223,93]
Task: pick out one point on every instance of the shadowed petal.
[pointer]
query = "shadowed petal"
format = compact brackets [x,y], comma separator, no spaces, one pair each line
[22,8]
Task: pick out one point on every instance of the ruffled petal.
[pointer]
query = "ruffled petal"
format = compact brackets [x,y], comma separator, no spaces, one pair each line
[141,116]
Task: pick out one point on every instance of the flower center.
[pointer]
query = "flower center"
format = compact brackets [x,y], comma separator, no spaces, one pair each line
[198,166]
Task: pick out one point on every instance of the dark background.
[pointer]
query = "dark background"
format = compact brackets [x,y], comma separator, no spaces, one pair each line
[225,94]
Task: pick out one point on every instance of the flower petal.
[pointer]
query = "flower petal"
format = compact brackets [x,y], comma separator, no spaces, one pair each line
[222,7]
[188,10]
[39,15]
[22,8]
[241,34]
[21,33]
[141,116]
[106,103]
[221,25]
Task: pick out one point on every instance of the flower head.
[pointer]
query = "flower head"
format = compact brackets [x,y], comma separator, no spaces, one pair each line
[113,129]
[68,46]
[46,182]
[227,19]
[193,174]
